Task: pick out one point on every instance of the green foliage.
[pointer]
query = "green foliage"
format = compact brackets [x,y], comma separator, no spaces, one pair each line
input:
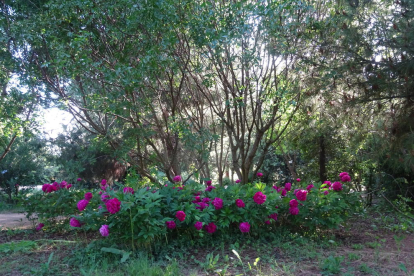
[331,265]
[53,209]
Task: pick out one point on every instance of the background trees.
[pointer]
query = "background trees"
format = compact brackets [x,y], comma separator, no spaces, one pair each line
[209,88]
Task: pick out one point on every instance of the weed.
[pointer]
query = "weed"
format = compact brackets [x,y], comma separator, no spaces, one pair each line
[353,256]
[332,265]
[364,268]
[358,246]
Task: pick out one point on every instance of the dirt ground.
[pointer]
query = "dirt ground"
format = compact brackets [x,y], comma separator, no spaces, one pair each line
[14,221]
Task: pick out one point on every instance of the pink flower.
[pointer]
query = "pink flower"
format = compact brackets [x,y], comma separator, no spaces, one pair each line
[326,192]
[79,179]
[244,227]
[104,230]
[55,186]
[201,205]
[82,204]
[209,183]
[276,188]
[298,179]
[240,203]
[105,197]
[328,183]
[293,203]
[103,182]
[284,192]
[39,226]
[50,189]
[273,216]
[170,224]
[88,196]
[177,178]
[128,190]
[198,225]
[206,200]
[346,178]
[288,186]
[237,181]
[342,174]
[74,222]
[197,194]
[211,227]
[44,187]
[259,198]
[63,184]
[267,221]
[259,174]
[301,195]
[180,215]
[294,211]
[68,186]
[310,186]
[217,203]
[113,205]
[210,188]
[337,186]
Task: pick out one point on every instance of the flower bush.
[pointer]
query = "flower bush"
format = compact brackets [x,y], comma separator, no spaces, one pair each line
[148,213]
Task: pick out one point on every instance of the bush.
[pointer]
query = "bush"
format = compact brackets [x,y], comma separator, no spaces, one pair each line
[140,216]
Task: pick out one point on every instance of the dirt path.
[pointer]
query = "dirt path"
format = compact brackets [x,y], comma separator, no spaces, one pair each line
[14,221]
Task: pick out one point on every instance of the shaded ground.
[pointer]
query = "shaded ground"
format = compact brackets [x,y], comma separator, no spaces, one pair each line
[359,248]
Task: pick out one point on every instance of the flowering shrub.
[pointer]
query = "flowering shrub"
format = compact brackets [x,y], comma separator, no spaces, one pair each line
[148,213]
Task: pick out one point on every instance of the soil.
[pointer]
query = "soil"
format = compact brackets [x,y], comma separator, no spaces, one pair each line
[14,221]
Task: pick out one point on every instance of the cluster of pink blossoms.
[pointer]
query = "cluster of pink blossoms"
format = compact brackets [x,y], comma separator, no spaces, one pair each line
[259,198]
[48,188]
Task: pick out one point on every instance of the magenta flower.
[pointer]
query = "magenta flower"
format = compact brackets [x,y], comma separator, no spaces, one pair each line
[310,186]
[113,205]
[211,227]
[342,174]
[267,221]
[206,200]
[345,178]
[74,222]
[170,224]
[326,192]
[301,195]
[298,179]
[273,216]
[201,205]
[44,187]
[259,174]
[238,181]
[104,230]
[288,186]
[88,196]
[259,198]
[244,227]
[293,203]
[337,186]
[180,215]
[240,203]
[294,211]
[177,178]
[63,184]
[210,188]
[209,183]
[128,190]
[39,226]
[105,197]
[82,204]
[328,183]
[198,225]
[79,179]
[55,186]
[284,192]
[217,203]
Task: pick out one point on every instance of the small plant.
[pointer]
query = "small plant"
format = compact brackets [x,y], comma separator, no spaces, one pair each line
[353,256]
[332,265]
[210,263]
[373,245]
[357,246]
[364,268]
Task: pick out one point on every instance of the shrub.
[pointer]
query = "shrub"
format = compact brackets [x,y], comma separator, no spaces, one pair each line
[174,209]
